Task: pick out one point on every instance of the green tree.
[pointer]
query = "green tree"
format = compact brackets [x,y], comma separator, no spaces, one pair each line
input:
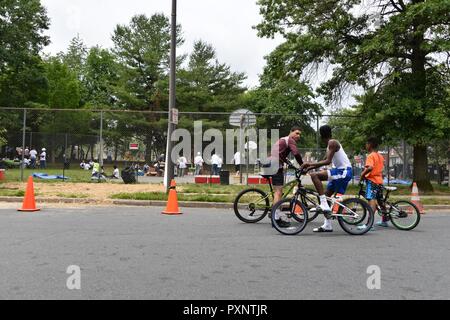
[75,59]
[64,93]
[142,50]
[366,47]
[100,78]
[22,80]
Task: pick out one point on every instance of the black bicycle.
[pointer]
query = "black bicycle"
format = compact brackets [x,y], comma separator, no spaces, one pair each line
[252,205]
[403,214]
[354,215]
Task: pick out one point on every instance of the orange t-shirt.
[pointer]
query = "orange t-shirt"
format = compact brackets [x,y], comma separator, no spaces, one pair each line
[376,161]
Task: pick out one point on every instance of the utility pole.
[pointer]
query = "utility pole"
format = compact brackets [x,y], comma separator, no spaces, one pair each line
[168,176]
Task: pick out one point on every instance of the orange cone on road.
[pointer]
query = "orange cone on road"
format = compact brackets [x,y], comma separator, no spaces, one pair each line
[415,198]
[172,204]
[29,202]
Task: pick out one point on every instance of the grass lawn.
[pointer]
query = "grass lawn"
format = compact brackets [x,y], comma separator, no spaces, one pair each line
[186,192]
[74,175]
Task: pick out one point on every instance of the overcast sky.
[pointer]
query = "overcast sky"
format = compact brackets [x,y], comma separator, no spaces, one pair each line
[226,24]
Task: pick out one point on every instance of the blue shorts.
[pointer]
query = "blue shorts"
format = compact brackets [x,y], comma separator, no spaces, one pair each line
[339,179]
[373,191]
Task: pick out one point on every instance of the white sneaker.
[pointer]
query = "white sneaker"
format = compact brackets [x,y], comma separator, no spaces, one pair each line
[322,229]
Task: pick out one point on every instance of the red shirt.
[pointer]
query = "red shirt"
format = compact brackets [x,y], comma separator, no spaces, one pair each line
[283,147]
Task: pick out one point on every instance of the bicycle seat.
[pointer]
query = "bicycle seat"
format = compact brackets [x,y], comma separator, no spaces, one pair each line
[391,188]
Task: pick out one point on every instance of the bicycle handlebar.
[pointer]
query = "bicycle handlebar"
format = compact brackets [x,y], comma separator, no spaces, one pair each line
[298,172]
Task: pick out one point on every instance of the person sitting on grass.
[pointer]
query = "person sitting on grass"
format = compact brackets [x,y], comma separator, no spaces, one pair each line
[116,174]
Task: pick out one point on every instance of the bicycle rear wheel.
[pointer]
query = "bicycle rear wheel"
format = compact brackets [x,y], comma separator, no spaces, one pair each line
[404,215]
[357,218]
[251,205]
[293,216]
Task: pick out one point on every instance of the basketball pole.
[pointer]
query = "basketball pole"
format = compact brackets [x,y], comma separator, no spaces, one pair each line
[168,168]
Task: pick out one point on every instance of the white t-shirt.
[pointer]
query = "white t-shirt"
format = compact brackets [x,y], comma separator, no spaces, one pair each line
[215,159]
[219,165]
[198,160]
[33,154]
[116,173]
[43,156]
[237,158]
[183,162]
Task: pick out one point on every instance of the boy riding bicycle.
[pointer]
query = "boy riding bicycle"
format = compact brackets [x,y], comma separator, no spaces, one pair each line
[373,175]
[338,177]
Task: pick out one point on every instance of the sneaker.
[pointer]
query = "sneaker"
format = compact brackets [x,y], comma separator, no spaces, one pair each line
[382,224]
[322,229]
[282,224]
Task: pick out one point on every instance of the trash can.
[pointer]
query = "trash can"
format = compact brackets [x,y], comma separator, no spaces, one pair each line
[224,177]
[128,175]
[67,164]
[2,174]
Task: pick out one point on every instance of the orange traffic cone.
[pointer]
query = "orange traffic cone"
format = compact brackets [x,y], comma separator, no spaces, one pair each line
[298,210]
[172,203]
[416,199]
[339,197]
[29,202]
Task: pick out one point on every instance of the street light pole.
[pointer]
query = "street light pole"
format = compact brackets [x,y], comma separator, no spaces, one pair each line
[168,176]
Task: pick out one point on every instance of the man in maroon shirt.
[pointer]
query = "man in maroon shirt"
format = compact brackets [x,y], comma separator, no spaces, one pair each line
[280,152]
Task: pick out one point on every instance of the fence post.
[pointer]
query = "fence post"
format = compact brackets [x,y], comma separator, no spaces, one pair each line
[389,165]
[100,157]
[23,143]
[405,161]
[317,138]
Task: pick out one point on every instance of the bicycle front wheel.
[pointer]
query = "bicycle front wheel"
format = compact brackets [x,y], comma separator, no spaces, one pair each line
[356,217]
[251,205]
[404,215]
[289,216]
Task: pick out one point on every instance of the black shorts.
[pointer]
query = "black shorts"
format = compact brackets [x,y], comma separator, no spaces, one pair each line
[278,178]
[237,167]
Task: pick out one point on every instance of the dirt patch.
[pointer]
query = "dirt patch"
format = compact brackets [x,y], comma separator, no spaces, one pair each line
[97,191]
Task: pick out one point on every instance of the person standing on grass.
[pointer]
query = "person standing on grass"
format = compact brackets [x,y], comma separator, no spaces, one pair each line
[33,157]
[237,162]
[198,161]
[182,165]
[215,159]
[43,159]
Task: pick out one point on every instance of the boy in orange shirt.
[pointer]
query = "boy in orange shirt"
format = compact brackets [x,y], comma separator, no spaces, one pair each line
[373,175]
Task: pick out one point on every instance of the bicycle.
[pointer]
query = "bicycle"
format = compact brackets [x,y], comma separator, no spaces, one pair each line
[403,214]
[354,215]
[253,204]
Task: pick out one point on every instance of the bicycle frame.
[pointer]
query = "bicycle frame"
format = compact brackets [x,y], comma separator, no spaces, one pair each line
[292,184]
[334,201]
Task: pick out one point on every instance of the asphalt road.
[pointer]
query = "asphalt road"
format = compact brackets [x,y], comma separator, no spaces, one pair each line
[137,253]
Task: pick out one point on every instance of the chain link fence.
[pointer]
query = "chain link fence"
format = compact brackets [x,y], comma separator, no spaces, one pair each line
[139,138]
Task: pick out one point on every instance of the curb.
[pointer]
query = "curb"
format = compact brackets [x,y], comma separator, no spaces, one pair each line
[154,203]
[138,203]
